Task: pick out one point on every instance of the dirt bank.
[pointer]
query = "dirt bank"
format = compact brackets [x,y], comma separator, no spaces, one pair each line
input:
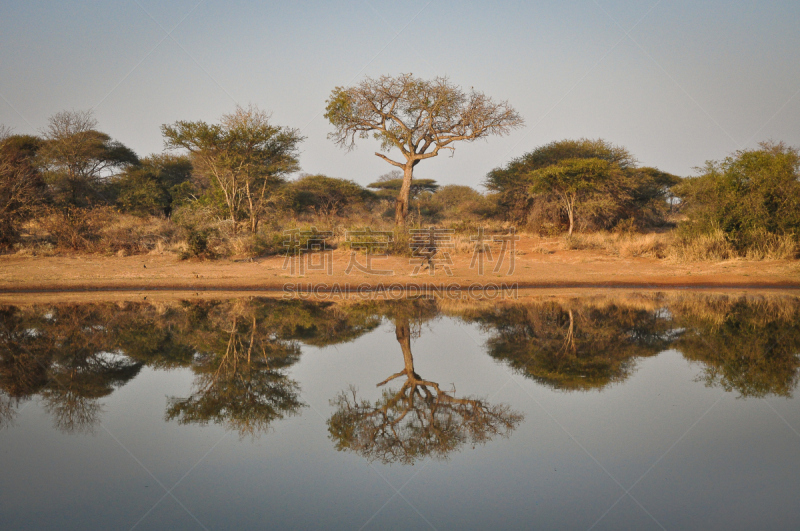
[560,269]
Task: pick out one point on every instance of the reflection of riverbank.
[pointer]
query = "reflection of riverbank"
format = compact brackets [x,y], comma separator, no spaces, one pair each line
[73,355]
[171,296]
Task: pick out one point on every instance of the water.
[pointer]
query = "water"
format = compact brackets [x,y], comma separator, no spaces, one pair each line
[634,411]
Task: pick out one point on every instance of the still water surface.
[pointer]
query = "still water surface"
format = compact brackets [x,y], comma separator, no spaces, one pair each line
[635,411]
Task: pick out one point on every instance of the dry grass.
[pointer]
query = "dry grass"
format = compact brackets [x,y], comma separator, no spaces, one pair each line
[713,247]
[704,247]
[716,247]
[773,247]
[99,230]
[624,245]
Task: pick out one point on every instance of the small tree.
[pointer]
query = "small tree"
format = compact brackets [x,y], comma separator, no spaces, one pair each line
[325,196]
[154,186]
[628,194]
[245,157]
[77,160]
[22,189]
[573,181]
[512,182]
[416,116]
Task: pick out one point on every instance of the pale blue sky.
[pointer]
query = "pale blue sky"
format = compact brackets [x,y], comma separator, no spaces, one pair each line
[690,81]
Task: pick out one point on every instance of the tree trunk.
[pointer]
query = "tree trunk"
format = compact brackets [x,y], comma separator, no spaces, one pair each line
[571,215]
[401,206]
[571,221]
[253,215]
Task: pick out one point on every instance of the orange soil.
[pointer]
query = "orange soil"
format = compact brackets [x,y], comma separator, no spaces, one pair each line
[562,269]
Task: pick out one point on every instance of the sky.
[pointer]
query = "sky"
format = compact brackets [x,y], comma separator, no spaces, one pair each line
[676,82]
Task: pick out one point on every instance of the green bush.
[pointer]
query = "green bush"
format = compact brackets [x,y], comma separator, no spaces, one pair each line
[751,197]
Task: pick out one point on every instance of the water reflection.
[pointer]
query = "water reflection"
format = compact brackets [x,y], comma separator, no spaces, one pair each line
[416,421]
[71,356]
[750,347]
[66,357]
[574,344]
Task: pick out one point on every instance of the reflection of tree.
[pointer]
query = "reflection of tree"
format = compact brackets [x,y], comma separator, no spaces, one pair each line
[74,355]
[22,370]
[65,357]
[417,421]
[8,407]
[574,346]
[84,368]
[751,346]
[241,385]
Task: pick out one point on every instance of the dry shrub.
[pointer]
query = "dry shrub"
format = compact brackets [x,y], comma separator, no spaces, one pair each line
[103,230]
[73,228]
[622,244]
[773,247]
[128,234]
[713,246]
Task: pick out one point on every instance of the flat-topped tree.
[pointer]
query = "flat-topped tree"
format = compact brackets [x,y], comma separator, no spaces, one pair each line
[389,188]
[416,116]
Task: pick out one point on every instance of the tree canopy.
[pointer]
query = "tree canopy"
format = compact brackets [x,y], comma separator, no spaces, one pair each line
[155,185]
[244,157]
[390,188]
[325,196]
[543,187]
[77,160]
[415,116]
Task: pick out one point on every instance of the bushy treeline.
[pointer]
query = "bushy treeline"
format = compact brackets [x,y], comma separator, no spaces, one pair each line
[233,187]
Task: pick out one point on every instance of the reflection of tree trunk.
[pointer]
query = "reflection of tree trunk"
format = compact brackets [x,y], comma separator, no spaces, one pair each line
[403,333]
[569,339]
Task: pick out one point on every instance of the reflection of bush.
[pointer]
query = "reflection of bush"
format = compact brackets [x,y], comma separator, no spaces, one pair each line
[574,346]
[748,346]
[74,355]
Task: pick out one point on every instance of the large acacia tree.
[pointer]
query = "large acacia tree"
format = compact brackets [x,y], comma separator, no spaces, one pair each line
[416,116]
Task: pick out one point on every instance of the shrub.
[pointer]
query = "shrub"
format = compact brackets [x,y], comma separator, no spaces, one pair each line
[750,199]
[197,244]
[74,228]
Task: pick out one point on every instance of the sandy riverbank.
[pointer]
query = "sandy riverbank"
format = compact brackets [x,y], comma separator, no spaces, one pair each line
[560,270]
